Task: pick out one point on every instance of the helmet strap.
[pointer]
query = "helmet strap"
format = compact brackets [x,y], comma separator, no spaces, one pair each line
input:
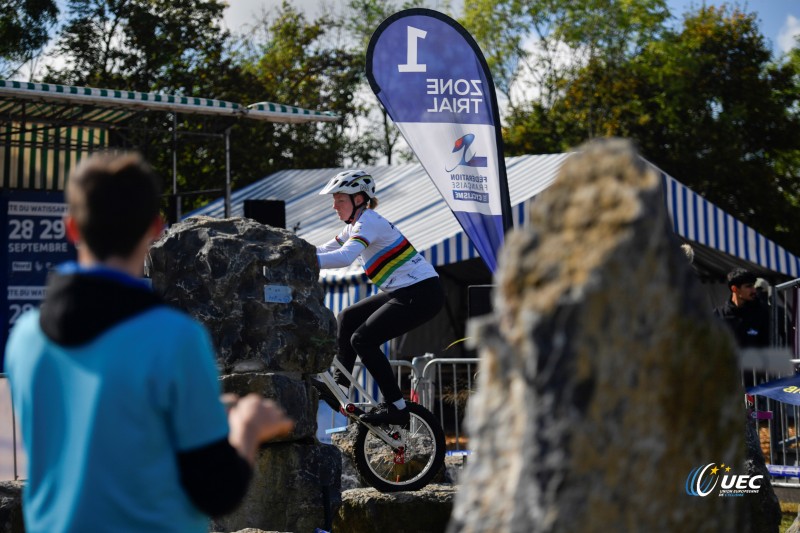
[357,209]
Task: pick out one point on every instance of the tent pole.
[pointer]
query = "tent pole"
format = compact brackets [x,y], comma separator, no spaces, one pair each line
[175,166]
[227,172]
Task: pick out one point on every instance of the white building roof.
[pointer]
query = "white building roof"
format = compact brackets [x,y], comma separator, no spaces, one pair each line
[409,199]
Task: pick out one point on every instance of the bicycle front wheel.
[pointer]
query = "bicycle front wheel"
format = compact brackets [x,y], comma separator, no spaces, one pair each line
[396,468]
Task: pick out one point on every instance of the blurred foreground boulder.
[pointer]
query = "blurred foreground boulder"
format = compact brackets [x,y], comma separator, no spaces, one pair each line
[604,378]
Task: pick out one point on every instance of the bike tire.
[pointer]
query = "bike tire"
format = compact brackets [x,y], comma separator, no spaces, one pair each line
[422,459]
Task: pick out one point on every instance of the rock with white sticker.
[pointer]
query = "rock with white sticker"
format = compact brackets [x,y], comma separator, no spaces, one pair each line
[254,287]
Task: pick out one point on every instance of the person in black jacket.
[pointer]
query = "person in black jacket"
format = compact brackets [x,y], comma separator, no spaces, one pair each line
[744,312]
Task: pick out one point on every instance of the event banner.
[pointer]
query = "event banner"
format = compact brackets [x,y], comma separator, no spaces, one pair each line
[35,242]
[433,81]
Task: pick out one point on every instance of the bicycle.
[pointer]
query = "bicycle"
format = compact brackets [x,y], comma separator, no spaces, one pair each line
[390,458]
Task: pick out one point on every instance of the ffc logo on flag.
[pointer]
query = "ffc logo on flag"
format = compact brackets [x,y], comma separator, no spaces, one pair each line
[433,81]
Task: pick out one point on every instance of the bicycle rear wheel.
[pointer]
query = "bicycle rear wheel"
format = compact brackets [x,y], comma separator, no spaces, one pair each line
[393,469]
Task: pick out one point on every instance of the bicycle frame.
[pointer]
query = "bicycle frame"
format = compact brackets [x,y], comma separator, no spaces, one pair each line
[344,400]
[327,378]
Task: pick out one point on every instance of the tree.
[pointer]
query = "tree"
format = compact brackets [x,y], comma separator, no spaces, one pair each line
[288,59]
[25,27]
[534,47]
[787,161]
[139,45]
[284,59]
[163,46]
[723,119]
[704,103]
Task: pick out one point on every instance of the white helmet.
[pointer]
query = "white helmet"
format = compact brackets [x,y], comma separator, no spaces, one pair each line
[351,182]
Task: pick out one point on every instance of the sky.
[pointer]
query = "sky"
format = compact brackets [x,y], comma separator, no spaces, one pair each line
[779,20]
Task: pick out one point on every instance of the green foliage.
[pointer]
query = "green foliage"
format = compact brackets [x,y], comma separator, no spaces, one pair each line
[704,103]
[285,59]
[138,45]
[165,46]
[614,29]
[500,29]
[532,130]
[525,41]
[24,30]
[291,62]
[719,118]
[362,19]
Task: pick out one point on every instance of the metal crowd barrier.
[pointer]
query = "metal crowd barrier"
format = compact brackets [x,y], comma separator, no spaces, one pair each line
[403,370]
[776,422]
[443,386]
[440,385]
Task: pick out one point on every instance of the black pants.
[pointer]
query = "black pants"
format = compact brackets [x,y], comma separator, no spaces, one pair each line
[367,324]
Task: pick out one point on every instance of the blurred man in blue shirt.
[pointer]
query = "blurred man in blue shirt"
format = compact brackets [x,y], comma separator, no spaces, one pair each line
[117,394]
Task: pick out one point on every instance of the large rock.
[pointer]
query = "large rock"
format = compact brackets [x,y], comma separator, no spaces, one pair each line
[256,290]
[217,270]
[367,510]
[604,379]
[297,398]
[295,487]
[346,442]
[795,526]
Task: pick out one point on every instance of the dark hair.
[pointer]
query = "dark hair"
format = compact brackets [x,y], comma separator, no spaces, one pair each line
[739,277]
[114,198]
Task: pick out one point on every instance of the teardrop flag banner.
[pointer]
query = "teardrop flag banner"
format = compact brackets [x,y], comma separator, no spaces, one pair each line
[433,81]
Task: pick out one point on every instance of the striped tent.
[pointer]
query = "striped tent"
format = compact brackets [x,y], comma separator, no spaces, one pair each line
[409,199]
[45,129]
[105,106]
[707,227]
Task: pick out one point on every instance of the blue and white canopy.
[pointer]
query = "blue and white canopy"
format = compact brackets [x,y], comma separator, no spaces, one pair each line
[410,200]
[700,222]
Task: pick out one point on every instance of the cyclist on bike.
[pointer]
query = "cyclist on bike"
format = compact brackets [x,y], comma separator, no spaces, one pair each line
[411,293]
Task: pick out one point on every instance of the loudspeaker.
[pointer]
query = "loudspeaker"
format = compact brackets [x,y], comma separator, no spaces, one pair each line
[269,212]
[479,300]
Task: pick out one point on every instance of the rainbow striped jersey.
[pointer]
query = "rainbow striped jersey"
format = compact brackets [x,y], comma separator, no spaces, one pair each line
[389,260]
